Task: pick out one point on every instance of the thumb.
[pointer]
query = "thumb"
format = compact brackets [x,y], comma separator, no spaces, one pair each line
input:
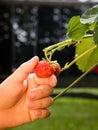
[25,69]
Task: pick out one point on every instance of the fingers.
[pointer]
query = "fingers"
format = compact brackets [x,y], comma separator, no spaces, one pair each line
[52,80]
[41,92]
[41,103]
[25,69]
[38,101]
[40,97]
[39,114]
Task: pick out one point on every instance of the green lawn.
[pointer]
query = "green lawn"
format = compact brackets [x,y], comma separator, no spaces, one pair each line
[68,114]
[79,90]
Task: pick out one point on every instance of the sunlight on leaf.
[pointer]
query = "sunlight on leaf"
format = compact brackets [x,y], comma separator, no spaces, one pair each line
[76,30]
[81,48]
[90,16]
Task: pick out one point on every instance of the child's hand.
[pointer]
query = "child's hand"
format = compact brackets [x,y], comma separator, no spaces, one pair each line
[24,97]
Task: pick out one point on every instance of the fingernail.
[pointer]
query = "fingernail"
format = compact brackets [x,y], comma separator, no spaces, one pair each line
[33,92]
[53,80]
[35,57]
[36,89]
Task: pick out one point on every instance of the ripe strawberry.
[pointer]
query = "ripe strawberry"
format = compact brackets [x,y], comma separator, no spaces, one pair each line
[95,70]
[43,69]
[56,69]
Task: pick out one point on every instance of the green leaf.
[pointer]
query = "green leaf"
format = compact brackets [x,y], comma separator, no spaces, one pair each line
[92,26]
[93,59]
[96,34]
[85,44]
[90,16]
[76,29]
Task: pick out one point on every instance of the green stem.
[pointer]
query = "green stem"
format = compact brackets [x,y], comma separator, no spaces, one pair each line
[68,41]
[64,43]
[71,63]
[49,51]
[74,83]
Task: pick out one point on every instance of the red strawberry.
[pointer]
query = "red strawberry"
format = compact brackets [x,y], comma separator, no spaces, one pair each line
[43,69]
[56,69]
[95,70]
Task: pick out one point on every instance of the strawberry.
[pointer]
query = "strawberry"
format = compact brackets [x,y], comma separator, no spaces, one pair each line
[43,69]
[56,68]
[95,70]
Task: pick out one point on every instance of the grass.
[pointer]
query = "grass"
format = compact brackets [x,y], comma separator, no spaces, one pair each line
[79,90]
[68,114]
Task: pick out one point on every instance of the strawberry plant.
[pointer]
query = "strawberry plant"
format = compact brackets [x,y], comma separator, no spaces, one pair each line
[82,32]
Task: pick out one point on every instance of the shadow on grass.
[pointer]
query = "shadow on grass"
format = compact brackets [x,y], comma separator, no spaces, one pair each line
[80,95]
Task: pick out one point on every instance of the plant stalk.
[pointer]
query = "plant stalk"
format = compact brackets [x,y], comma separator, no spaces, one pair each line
[74,83]
[71,63]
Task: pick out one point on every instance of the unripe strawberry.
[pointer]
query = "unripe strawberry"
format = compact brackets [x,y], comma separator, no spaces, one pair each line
[43,69]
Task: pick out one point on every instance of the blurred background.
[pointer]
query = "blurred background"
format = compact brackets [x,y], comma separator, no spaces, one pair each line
[28,26]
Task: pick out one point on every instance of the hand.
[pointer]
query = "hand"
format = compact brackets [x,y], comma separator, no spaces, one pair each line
[24,97]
